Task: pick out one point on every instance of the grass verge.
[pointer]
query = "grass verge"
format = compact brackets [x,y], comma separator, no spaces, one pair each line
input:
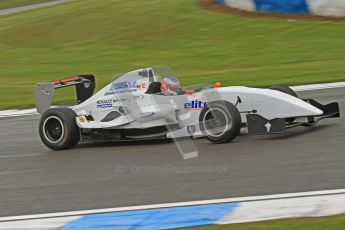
[322,223]
[109,37]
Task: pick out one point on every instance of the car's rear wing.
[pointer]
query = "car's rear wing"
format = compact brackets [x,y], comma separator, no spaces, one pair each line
[44,92]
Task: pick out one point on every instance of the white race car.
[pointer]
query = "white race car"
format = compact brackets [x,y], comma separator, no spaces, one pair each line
[133,107]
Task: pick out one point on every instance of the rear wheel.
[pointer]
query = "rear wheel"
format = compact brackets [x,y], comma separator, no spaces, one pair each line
[58,129]
[287,90]
[220,122]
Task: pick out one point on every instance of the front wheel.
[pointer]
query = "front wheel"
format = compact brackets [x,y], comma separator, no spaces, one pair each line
[220,122]
[58,129]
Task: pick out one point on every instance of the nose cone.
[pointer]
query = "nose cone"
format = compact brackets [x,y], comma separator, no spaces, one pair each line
[285,106]
[315,110]
[299,107]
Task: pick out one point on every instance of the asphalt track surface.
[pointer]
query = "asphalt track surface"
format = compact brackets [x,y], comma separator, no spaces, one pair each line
[34,179]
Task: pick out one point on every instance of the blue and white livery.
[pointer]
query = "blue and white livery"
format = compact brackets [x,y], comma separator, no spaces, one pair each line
[133,107]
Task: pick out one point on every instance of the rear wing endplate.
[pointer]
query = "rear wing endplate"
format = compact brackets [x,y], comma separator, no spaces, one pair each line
[44,92]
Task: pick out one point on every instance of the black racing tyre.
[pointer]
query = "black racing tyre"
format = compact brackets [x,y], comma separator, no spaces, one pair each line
[58,129]
[287,90]
[220,122]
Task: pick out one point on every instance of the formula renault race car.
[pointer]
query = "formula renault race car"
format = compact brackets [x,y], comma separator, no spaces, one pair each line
[133,107]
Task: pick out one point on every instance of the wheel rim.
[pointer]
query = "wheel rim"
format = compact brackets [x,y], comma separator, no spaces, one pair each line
[216,122]
[53,129]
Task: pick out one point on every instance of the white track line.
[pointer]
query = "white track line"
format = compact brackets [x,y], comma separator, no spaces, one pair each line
[18,113]
[19,9]
[170,205]
[319,86]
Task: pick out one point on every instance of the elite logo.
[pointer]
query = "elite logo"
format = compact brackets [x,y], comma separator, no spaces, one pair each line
[195,105]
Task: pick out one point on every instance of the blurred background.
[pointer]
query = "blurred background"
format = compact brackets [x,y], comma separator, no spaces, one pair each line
[199,41]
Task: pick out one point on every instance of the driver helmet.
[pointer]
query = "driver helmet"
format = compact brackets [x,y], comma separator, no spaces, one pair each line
[170,86]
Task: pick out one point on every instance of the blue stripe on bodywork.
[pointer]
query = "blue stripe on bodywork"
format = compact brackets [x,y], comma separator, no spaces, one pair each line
[282,6]
[164,218]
